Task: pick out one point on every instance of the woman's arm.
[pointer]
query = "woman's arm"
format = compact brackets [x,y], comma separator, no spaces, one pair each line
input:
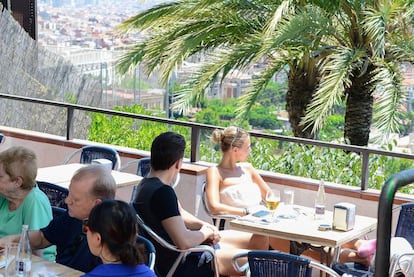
[213,195]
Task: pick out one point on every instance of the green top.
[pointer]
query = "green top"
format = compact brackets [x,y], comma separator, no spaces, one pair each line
[34,211]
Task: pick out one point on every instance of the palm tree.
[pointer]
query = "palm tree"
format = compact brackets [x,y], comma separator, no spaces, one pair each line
[331,49]
[230,35]
[371,41]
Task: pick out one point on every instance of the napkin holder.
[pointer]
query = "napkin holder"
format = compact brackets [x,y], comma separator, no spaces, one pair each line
[343,216]
[104,162]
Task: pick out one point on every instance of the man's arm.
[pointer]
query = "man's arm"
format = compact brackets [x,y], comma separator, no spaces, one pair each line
[38,240]
[191,221]
[184,238]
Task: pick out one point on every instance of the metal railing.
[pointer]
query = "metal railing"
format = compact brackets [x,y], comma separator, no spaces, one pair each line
[196,128]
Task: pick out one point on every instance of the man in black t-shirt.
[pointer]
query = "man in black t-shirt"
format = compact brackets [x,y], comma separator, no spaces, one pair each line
[157,204]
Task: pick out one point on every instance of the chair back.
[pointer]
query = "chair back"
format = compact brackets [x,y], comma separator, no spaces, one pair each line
[93,152]
[57,211]
[55,193]
[182,252]
[273,263]
[149,250]
[267,264]
[2,138]
[143,166]
[405,224]
[218,220]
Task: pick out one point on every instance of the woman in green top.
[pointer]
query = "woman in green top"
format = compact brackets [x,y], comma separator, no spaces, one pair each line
[21,201]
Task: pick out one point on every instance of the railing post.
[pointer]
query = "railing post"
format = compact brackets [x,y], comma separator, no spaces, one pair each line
[69,124]
[365,170]
[195,144]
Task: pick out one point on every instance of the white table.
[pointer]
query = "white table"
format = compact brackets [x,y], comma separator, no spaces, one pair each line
[304,229]
[42,267]
[62,174]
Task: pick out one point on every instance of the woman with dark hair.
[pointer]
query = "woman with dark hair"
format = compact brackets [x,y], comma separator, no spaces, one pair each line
[111,232]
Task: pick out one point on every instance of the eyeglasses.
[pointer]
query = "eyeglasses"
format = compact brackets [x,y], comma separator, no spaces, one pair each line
[85,227]
[236,136]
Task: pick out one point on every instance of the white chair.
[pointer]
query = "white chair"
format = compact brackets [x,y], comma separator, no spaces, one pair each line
[182,253]
[219,220]
[402,263]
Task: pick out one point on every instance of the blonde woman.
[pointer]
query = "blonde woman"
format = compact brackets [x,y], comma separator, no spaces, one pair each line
[234,186]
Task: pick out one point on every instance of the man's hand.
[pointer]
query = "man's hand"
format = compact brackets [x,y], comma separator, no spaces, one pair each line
[213,234]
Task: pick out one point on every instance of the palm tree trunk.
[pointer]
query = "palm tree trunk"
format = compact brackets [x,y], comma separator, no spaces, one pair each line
[359,107]
[299,95]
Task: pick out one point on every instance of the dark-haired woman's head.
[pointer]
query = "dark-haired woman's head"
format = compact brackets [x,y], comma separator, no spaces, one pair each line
[111,231]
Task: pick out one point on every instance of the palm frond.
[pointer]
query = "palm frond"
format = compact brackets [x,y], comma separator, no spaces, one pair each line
[284,8]
[389,97]
[336,75]
[248,99]
[375,28]
[220,64]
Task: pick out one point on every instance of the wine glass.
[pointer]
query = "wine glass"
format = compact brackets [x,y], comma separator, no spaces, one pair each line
[272,200]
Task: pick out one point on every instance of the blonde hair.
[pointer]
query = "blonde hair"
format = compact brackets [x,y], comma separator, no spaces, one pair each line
[229,137]
[19,161]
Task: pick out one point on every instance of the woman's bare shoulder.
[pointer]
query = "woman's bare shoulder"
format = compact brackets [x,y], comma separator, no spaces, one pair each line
[246,166]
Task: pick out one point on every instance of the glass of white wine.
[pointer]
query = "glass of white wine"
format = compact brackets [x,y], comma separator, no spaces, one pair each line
[272,200]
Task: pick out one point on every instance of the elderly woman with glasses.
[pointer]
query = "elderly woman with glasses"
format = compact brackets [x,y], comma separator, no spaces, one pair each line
[111,233]
[234,186]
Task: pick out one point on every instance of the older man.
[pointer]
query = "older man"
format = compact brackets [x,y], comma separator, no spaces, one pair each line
[89,186]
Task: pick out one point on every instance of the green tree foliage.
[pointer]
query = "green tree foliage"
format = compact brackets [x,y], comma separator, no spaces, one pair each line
[129,132]
[333,128]
[312,162]
[262,118]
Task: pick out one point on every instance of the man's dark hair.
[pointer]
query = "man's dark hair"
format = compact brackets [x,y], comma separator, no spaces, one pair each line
[166,149]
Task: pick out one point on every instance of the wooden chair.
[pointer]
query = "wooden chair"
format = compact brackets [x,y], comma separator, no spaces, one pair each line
[274,263]
[93,152]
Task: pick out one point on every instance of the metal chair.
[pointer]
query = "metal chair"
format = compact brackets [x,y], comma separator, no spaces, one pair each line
[219,220]
[181,253]
[274,263]
[57,211]
[143,168]
[93,152]
[405,224]
[404,229]
[55,193]
[149,250]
